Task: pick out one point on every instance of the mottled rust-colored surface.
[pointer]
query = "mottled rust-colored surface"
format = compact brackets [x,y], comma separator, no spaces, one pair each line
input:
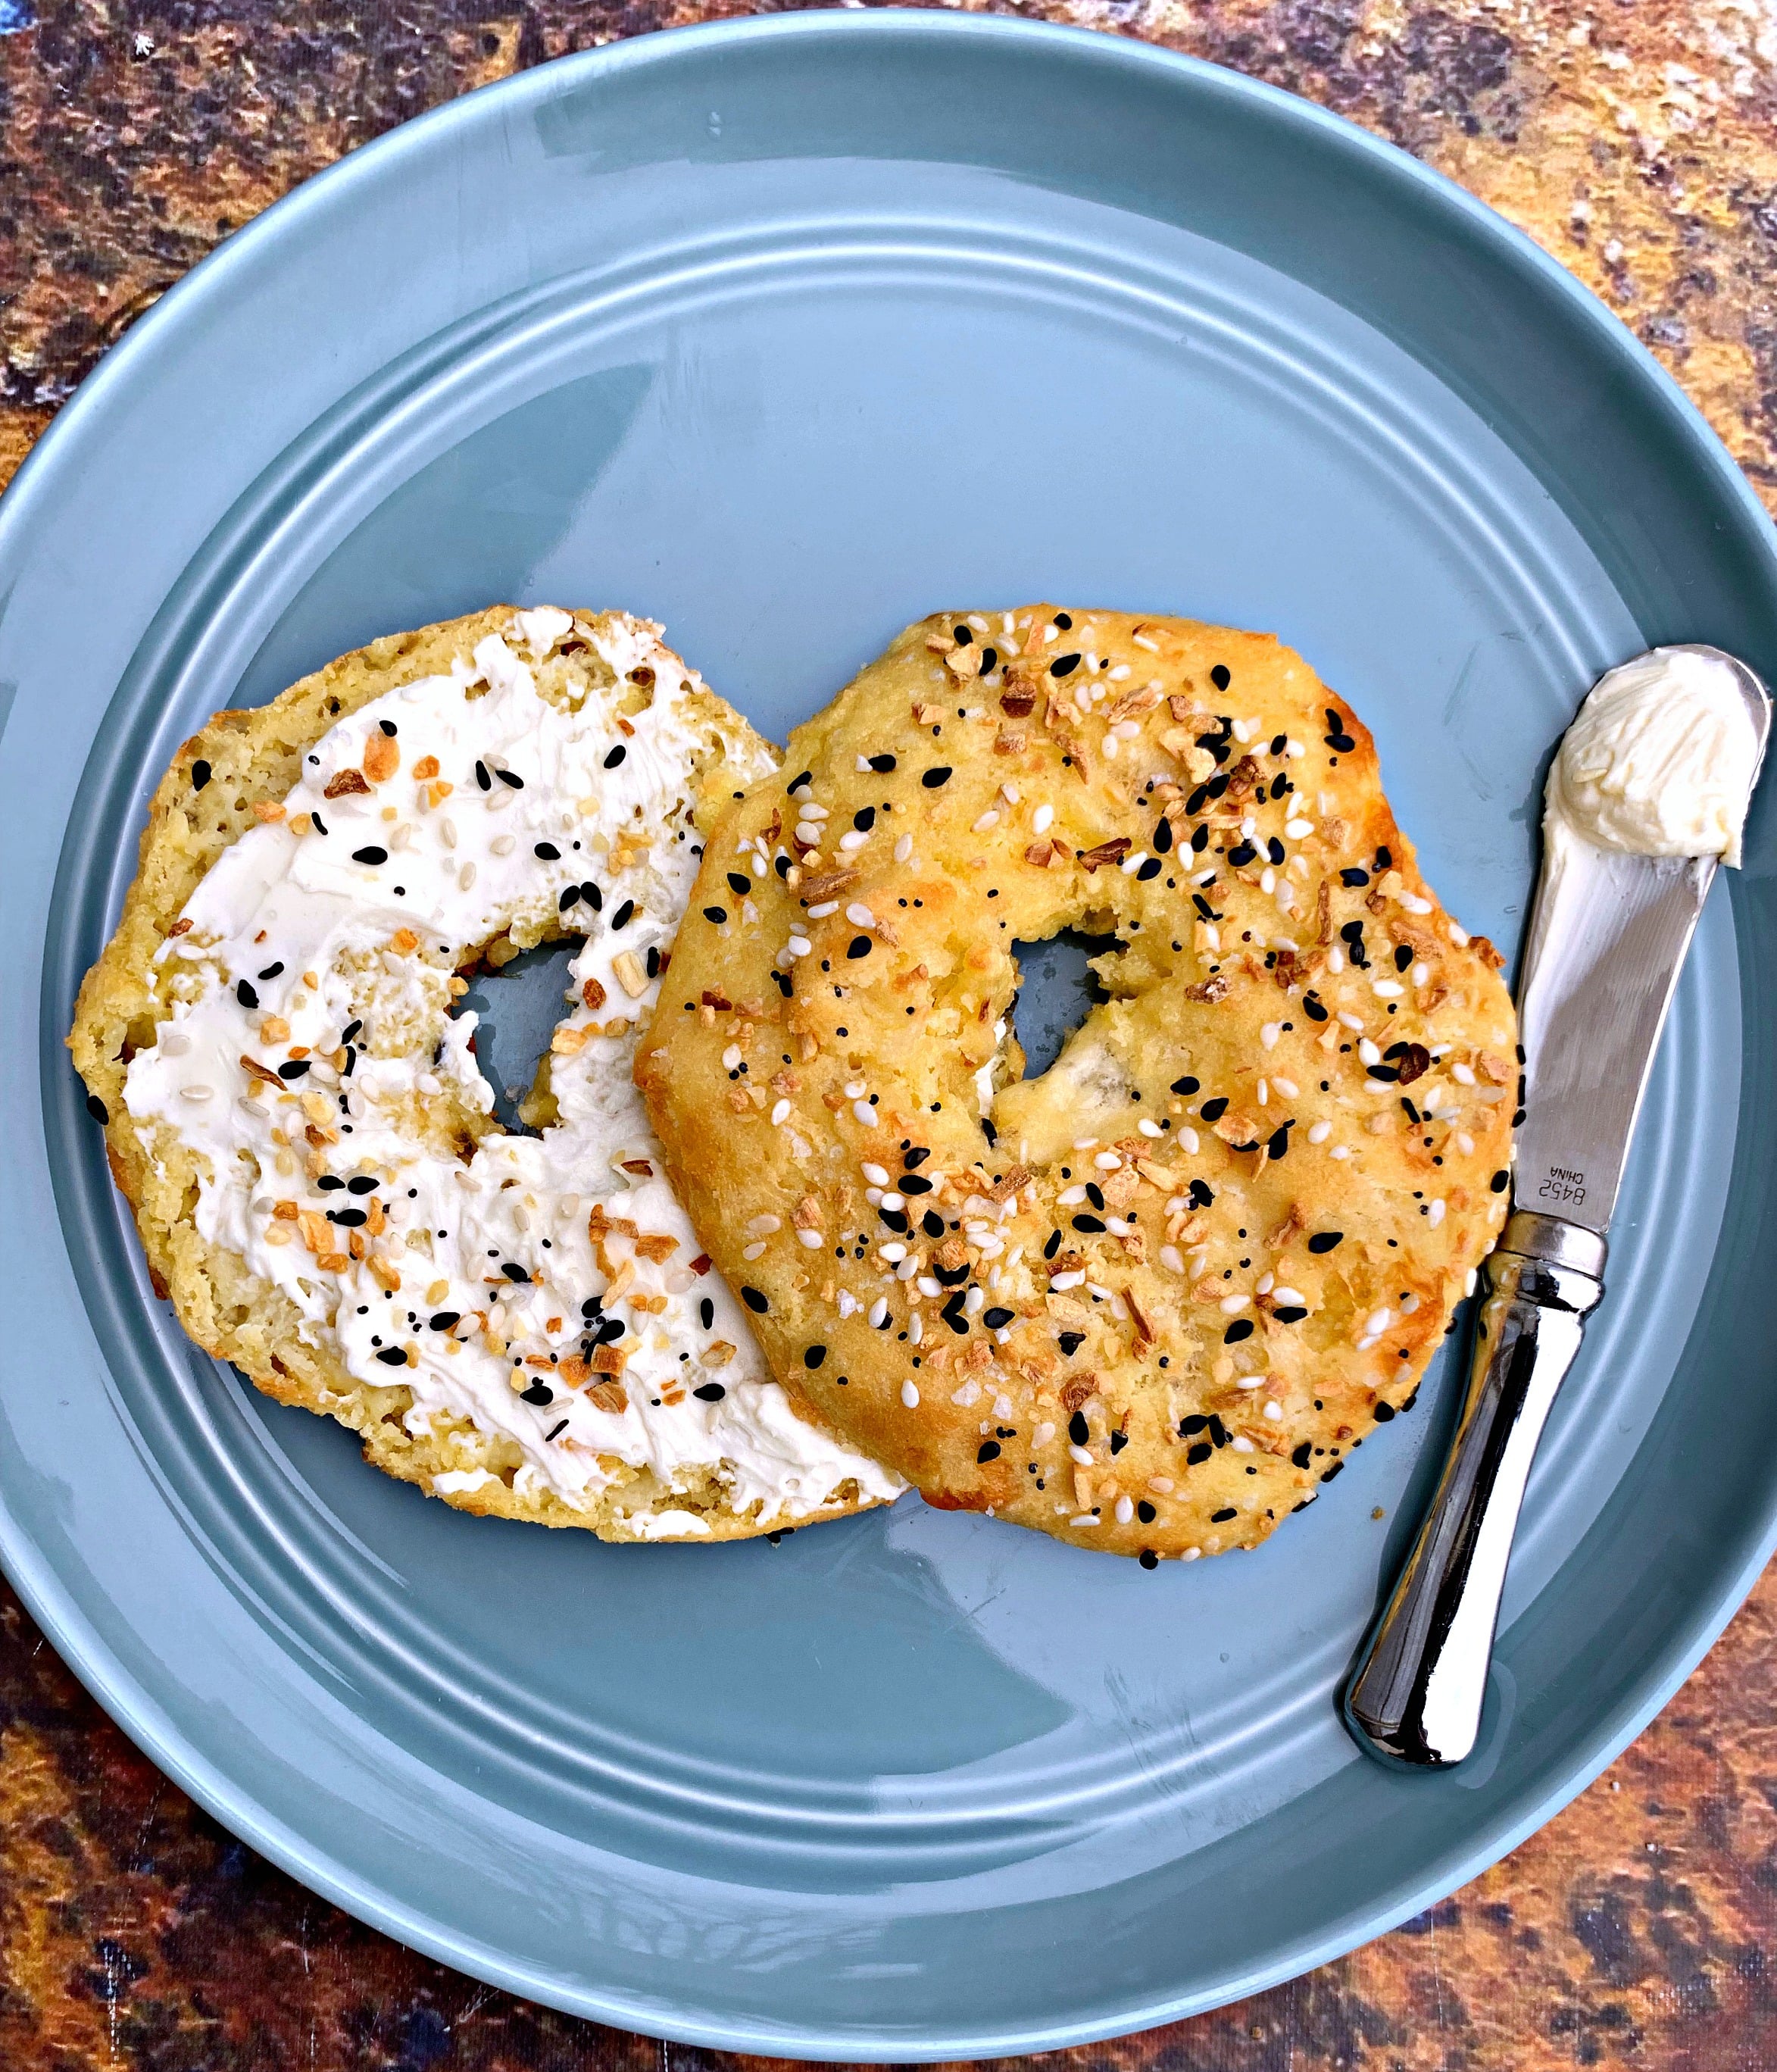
[1638,143]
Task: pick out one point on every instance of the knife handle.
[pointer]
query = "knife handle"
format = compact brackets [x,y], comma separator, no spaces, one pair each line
[1415,1694]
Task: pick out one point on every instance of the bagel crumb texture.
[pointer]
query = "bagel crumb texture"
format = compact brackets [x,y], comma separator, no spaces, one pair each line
[1150,1301]
[522,1324]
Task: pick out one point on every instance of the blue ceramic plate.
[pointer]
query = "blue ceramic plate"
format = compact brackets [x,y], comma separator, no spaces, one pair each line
[784,333]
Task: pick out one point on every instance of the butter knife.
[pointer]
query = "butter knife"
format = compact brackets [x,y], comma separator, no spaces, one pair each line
[1608,938]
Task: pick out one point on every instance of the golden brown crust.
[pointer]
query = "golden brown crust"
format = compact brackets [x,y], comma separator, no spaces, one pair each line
[206,801]
[1257,1206]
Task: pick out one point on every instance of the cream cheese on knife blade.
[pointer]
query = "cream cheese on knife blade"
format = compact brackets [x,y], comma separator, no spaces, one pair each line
[1659,761]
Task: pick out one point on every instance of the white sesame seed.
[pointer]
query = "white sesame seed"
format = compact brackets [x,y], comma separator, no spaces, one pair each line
[798,946]
[1414,904]
[814,812]
[1269,1034]
[1147,1127]
[1061,1282]
[878,1314]
[466,876]
[1367,1051]
[174,1044]
[1267,880]
[1294,748]
[1083,1143]
[1458,936]
[1298,830]
[447,833]
[198,1093]
[1434,1213]
[1335,960]
[1264,1093]
[1350,1020]
[731,1057]
[780,1113]
[1320,1132]
[893,1253]
[1044,818]
[1465,1143]
[808,833]
[904,848]
[928,1286]
[1009,793]
[1085,1519]
[759,866]
[1187,1137]
[1110,747]
[1125,1509]
[1170,1259]
[891,1200]
[1387,988]
[990,819]
[1462,1074]
[910,1395]
[1079,1454]
[752,1251]
[853,838]
[1274,1412]
[820,913]
[1069,1195]
[1377,1322]
[1287,1087]
[1231,1305]
[1107,1161]
[876,1175]
[1242,1444]
[862,764]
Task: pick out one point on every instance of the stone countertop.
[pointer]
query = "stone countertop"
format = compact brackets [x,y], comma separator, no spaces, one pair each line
[1638,143]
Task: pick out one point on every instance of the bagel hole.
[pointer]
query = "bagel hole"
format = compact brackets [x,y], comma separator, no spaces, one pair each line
[518,1004]
[1056,991]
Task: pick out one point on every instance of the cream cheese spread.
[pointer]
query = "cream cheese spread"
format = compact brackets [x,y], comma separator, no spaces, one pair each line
[1659,760]
[548,1289]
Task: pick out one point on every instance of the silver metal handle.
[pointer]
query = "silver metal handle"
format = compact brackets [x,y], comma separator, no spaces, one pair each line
[1415,1694]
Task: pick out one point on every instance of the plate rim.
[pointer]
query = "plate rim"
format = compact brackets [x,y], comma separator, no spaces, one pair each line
[127,1701]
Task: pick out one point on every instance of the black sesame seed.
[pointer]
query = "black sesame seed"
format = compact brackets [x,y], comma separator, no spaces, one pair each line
[320,825]
[934,778]
[294,1068]
[446,1320]
[706,1312]
[1384,1412]
[989,1450]
[1187,1085]
[481,777]
[1089,1224]
[1070,1341]
[570,898]
[615,757]
[1240,1328]
[1221,1517]
[710,1391]
[814,1356]
[754,1301]
[392,1356]
[858,947]
[864,819]
[716,914]
[361,1183]
[1354,877]
[97,1109]
[740,886]
[593,896]
[623,916]
[513,1271]
[1337,1468]
[1501,1182]
[1144,1511]
[1215,1108]
[796,783]
[372,855]
[200,775]
[1326,1240]
[1054,1246]
[1195,1456]
[882,764]
[540,1392]
[1064,665]
[245,993]
[1220,677]
[932,1223]
[996,1320]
